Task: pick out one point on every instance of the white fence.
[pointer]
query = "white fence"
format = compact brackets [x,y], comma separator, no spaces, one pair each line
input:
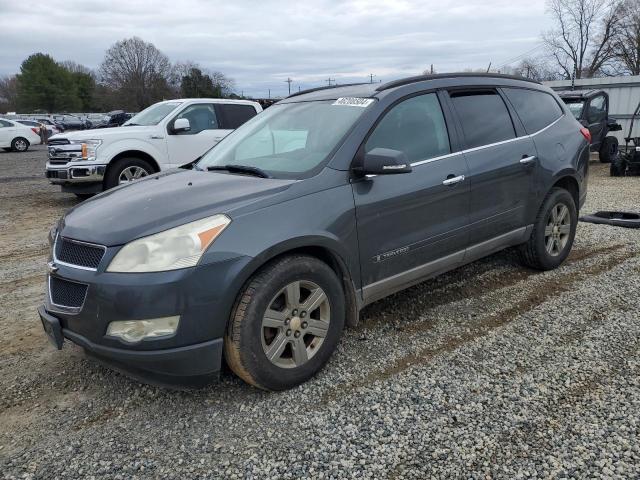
[624,95]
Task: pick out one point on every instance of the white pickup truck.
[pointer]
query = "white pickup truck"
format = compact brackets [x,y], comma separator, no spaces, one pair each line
[165,135]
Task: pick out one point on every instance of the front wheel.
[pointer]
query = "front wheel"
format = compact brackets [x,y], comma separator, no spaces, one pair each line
[126,170]
[286,324]
[553,232]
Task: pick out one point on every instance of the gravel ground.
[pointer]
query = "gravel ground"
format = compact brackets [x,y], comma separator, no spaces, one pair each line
[490,371]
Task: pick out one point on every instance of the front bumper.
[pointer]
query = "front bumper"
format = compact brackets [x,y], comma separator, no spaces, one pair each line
[202,296]
[190,365]
[75,173]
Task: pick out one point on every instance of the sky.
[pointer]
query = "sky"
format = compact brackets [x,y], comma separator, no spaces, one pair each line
[262,43]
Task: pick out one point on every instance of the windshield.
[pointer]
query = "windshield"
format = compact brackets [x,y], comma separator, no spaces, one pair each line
[576,108]
[154,114]
[290,140]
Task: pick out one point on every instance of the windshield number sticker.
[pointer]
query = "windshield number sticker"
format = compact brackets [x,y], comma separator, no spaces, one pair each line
[354,102]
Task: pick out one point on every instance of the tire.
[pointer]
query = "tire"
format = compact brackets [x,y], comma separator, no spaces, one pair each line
[608,149]
[117,169]
[20,144]
[618,166]
[549,246]
[248,339]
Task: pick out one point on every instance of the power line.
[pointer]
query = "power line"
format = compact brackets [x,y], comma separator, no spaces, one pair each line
[519,57]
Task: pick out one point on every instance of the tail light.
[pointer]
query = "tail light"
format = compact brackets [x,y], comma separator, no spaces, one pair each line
[35,130]
[586,134]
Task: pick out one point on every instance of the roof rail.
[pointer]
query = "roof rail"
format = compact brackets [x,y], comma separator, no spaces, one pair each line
[436,76]
[309,90]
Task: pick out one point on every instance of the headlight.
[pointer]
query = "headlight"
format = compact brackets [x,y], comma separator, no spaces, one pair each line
[89,148]
[179,247]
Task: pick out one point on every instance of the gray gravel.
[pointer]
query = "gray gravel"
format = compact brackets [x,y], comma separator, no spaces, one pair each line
[490,371]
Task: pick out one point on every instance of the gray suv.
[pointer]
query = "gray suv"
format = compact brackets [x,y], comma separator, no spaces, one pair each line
[264,249]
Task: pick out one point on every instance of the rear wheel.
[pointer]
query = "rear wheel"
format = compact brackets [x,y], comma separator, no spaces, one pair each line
[618,166]
[286,323]
[608,149]
[553,232]
[20,144]
[126,170]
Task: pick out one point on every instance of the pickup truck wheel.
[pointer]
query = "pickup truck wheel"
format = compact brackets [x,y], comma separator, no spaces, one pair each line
[20,144]
[608,149]
[553,232]
[126,170]
[286,323]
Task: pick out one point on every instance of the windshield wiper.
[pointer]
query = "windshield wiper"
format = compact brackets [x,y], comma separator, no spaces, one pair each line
[258,172]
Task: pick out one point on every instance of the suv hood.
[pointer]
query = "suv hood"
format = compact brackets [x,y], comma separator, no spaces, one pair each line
[106,133]
[163,201]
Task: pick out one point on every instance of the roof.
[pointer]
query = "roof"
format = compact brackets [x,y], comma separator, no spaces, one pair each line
[578,94]
[375,89]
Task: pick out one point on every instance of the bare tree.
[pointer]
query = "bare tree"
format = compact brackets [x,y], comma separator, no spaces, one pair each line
[626,42]
[581,42]
[137,69]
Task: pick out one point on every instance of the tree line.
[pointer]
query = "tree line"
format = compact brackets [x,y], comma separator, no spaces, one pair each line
[590,38]
[133,75]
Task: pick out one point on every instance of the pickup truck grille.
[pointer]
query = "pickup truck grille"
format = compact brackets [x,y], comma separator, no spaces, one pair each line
[67,294]
[61,152]
[80,254]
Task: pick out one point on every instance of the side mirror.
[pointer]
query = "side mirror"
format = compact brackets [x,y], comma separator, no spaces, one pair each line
[384,161]
[181,125]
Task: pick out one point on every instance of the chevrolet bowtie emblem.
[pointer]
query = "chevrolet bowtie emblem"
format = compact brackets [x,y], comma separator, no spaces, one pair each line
[52,267]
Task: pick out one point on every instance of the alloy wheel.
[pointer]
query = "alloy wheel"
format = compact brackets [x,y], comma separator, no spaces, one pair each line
[131,173]
[558,230]
[295,324]
[21,145]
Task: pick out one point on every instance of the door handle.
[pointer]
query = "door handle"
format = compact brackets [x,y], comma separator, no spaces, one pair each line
[453,180]
[526,160]
[156,137]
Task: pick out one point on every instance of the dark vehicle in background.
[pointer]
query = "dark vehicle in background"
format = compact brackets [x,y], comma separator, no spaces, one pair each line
[628,161]
[69,122]
[329,200]
[117,118]
[591,109]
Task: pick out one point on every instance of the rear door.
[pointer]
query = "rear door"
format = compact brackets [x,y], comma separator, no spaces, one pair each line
[411,225]
[596,116]
[501,163]
[206,130]
[233,115]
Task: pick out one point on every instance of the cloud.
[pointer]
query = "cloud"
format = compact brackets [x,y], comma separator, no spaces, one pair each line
[262,43]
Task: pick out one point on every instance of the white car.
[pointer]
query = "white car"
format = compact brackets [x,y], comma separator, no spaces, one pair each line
[17,137]
[165,135]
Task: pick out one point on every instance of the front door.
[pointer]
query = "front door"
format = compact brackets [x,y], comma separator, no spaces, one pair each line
[411,225]
[205,131]
[501,165]
[6,133]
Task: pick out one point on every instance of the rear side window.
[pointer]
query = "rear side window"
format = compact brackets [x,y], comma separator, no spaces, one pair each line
[415,126]
[236,115]
[4,123]
[484,117]
[536,109]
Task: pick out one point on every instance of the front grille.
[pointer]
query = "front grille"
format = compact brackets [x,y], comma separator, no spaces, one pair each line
[67,294]
[80,254]
[58,141]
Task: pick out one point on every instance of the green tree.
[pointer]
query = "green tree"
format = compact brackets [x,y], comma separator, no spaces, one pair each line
[43,84]
[198,85]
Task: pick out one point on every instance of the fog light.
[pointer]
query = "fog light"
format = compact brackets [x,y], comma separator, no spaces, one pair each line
[133,331]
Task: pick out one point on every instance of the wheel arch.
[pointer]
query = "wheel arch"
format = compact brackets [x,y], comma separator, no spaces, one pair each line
[321,249]
[136,154]
[570,184]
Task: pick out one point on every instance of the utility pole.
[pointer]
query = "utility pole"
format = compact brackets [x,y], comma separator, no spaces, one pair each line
[298,88]
[269,93]
[288,80]
[329,80]
[489,68]
[371,75]
[431,69]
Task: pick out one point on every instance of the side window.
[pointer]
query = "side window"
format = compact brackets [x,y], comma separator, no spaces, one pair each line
[484,117]
[597,109]
[4,123]
[536,109]
[236,115]
[201,116]
[415,126]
